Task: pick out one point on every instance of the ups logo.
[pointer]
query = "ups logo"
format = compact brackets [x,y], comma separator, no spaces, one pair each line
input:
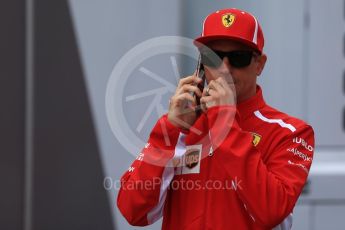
[192,158]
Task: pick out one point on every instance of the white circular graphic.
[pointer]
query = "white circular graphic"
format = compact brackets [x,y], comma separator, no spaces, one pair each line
[132,60]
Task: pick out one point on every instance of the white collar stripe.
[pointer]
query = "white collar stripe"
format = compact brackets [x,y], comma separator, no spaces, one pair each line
[278,121]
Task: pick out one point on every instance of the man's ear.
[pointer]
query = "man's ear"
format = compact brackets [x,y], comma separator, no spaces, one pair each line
[261,61]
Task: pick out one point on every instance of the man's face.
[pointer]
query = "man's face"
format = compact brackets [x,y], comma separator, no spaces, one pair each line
[244,78]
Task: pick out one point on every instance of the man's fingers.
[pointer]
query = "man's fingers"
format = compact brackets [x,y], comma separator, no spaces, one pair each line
[206,92]
[217,87]
[189,80]
[206,99]
[221,80]
[227,85]
[183,97]
[189,89]
[207,102]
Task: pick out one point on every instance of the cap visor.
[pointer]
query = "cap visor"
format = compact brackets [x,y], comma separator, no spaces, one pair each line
[200,41]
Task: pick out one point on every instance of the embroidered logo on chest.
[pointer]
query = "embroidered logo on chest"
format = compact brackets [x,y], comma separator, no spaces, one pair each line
[190,162]
[192,158]
[256,138]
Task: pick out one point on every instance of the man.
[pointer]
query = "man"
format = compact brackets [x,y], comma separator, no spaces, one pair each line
[246,167]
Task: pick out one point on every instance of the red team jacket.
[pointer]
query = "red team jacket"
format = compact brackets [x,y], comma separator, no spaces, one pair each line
[243,168]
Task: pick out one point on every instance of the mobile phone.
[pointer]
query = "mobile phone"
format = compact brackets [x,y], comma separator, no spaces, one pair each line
[201,74]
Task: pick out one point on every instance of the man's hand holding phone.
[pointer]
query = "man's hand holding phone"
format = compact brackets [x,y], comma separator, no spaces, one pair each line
[183,103]
[218,92]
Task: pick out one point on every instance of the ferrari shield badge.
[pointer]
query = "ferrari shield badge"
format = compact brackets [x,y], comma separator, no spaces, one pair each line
[256,139]
[228,19]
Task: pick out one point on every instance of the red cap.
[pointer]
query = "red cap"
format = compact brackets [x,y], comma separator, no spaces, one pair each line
[232,24]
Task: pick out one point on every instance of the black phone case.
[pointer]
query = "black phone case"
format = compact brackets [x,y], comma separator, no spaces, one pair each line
[201,74]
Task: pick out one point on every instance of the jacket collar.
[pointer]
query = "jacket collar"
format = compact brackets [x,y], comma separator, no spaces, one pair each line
[250,105]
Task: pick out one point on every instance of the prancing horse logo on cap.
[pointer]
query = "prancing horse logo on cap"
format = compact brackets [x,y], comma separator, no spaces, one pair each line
[228,19]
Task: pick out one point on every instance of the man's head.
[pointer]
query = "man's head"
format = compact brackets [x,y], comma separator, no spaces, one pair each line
[236,38]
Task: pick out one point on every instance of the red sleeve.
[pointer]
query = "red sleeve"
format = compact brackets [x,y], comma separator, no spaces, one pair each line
[143,186]
[268,190]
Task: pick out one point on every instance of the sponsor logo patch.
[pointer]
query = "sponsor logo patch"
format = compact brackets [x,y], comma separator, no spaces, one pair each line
[140,157]
[192,158]
[299,165]
[190,162]
[301,141]
[300,154]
